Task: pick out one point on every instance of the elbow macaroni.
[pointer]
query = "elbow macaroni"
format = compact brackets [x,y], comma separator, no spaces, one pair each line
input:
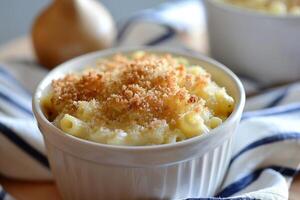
[73,126]
[192,124]
[184,104]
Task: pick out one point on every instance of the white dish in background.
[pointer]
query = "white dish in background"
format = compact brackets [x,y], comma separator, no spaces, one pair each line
[262,46]
[191,168]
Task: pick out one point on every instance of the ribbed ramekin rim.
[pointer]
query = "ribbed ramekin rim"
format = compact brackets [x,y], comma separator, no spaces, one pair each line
[235,115]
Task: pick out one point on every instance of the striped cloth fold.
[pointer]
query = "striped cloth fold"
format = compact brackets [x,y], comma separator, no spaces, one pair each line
[265,156]
[4,195]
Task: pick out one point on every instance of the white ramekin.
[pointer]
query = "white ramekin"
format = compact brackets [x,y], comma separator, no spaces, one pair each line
[192,168]
[262,46]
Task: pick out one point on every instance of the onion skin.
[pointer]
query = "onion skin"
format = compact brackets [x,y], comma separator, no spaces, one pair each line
[69,28]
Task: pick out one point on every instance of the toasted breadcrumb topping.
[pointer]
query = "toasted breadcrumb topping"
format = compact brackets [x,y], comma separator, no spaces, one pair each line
[137,89]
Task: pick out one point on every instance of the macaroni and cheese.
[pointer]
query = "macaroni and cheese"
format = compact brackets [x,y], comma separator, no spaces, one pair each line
[141,99]
[277,7]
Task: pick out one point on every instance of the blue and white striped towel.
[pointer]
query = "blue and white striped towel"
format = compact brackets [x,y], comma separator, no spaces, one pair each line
[267,144]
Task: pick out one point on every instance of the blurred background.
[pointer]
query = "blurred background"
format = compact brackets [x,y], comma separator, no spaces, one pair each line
[16,16]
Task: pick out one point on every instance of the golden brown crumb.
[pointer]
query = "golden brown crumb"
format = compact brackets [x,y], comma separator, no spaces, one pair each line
[151,86]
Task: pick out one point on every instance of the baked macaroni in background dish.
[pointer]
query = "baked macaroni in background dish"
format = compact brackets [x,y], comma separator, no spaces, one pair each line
[277,7]
[141,99]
